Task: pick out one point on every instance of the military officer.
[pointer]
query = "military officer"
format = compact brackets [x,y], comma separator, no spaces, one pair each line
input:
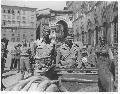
[68,54]
[43,49]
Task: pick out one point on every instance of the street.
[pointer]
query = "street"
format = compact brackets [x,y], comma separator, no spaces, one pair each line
[11,77]
[59,46]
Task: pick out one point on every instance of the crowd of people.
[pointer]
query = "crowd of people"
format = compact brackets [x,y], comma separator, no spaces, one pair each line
[26,56]
[20,60]
[42,53]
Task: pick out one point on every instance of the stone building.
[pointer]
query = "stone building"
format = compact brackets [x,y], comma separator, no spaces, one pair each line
[94,19]
[59,22]
[18,23]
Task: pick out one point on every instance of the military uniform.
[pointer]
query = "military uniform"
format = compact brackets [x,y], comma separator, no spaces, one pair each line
[18,51]
[12,59]
[43,51]
[67,56]
[24,60]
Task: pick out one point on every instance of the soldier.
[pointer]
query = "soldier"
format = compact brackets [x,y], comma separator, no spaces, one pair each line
[67,54]
[24,60]
[106,69]
[18,51]
[43,49]
[12,59]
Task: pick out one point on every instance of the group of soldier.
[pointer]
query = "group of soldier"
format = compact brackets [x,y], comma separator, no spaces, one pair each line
[21,57]
[45,52]
[42,53]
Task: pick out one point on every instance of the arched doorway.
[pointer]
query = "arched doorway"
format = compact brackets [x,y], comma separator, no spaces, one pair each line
[61,30]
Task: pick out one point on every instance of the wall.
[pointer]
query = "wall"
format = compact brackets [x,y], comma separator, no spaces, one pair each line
[98,13]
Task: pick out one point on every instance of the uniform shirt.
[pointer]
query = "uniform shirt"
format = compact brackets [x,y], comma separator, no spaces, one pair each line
[24,51]
[64,53]
[13,53]
[43,50]
[17,51]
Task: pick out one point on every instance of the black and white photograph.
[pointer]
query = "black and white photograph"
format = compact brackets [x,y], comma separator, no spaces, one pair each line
[59,46]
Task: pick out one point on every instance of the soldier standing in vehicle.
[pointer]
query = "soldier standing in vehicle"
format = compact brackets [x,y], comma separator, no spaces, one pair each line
[43,50]
[68,54]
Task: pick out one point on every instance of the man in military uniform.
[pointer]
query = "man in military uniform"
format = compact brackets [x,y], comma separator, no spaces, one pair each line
[24,60]
[68,54]
[18,51]
[43,49]
[13,58]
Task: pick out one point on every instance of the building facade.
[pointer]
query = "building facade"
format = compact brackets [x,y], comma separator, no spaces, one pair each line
[94,19]
[59,22]
[18,23]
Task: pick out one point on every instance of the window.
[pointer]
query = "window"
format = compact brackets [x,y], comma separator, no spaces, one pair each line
[13,12]
[12,39]
[13,22]
[18,17]
[18,35]
[18,39]
[32,24]
[23,12]
[4,34]
[9,17]
[13,16]
[31,40]
[24,18]
[24,22]
[24,36]
[3,23]
[13,34]
[18,23]
[5,30]
[18,12]
[13,30]
[32,13]
[3,10]
[9,22]
[32,18]
[8,11]
[4,16]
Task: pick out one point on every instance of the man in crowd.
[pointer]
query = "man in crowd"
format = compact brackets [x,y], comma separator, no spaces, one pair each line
[12,59]
[67,54]
[43,49]
[18,51]
[24,60]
